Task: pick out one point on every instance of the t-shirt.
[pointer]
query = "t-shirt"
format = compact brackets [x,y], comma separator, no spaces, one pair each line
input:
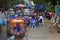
[40,17]
[51,14]
[16,15]
[35,14]
[26,18]
[3,15]
[33,20]
[20,28]
[4,22]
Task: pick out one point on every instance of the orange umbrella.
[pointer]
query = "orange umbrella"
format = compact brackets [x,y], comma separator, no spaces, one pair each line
[14,21]
[20,5]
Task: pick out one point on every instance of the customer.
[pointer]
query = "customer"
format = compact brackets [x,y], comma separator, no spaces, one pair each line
[41,20]
[33,22]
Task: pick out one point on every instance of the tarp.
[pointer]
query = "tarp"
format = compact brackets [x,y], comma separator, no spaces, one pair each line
[27,7]
[12,17]
[40,7]
[20,5]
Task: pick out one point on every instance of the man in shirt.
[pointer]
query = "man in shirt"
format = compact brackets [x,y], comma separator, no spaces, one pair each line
[41,20]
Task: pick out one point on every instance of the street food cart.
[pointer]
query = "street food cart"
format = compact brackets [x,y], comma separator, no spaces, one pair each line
[16,23]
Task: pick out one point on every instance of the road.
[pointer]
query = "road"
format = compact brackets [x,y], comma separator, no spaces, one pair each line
[39,33]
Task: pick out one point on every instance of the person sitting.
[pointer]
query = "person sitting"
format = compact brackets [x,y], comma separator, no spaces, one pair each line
[33,22]
[41,20]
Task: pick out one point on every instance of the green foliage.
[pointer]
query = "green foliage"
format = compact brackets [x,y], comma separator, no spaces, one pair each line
[45,1]
[11,2]
[41,1]
[20,2]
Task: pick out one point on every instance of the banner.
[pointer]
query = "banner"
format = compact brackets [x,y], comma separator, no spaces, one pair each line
[41,7]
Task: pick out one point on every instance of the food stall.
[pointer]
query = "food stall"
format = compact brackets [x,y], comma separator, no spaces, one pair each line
[16,23]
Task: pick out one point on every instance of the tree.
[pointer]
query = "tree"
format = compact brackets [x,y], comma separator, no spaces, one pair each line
[40,1]
[7,3]
[54,2]
[59,2]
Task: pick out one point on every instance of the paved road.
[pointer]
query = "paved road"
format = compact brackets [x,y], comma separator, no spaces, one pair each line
[39,33]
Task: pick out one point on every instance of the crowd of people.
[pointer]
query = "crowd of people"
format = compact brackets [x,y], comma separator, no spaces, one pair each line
[36,19]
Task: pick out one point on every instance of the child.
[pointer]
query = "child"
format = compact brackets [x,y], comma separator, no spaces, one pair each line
[33,22]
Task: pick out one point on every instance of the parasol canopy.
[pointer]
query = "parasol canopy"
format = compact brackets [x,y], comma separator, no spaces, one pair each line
[14,21]
[27,7]
[17,20]
[20,5]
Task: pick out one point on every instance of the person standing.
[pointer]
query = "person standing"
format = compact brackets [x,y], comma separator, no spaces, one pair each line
[41,20]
